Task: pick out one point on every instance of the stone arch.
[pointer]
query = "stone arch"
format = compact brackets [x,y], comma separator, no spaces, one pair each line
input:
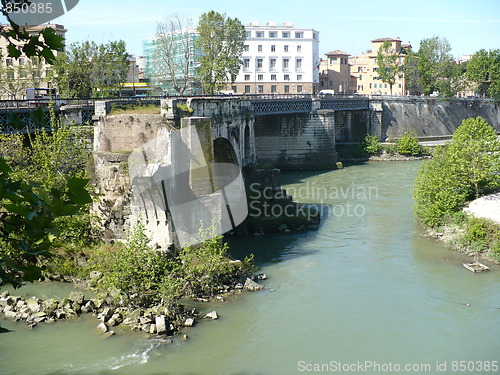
[224,151]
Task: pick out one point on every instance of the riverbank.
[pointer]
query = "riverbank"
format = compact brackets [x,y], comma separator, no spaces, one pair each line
[478,236]
[160,319]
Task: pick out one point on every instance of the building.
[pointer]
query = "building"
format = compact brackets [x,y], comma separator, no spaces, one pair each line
[335,73]
[18,74]
[364,68]
[279,59]
[180,70]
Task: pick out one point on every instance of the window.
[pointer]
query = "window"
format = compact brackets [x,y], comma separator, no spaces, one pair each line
[272,65]
[287,89]
[286,63]
[299,48]
[259,48]
[370,85]
[259,64]
[322,83]
[299,88]
[287,77]
[272,34]
[246,48]
[286,48]
[246,63]
[259,34]
[247,77]
[299,35]
[375,69]
[234,88]
[330,83]
[249,34]
[298,64]
[21,61]
[374,85]
[360,69]
[10,74]
[247,89]
[260,89]
[273,89]
[385,86]
[273,48]
[399,85]
[8,61]
[273,77]
[285,34]
[299,77]
[260,77]
[360,77]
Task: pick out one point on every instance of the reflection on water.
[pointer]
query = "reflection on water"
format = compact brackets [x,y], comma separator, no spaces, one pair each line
[361,288]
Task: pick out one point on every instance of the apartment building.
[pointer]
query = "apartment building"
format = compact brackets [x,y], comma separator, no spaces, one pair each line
[279,59]
[335,73]
[156,68]
[364,67]
[22,73]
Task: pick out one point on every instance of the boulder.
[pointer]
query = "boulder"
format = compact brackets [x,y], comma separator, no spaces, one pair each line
[107,334]
[211,315]
[161,324]
[95,275]
[88,307]
[189,322]
[115,320]
[50,305]
[251,285]
[152,329]
[102,327]
[33,304]
[146,319]
[5,294]
[184,338]
[9,313]
[77,297]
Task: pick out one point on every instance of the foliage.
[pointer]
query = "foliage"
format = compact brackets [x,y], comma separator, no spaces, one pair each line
[136,271]
[117,109]
[221,40]
[388,64]
[408,144]
[141,275]
[458,171]
[89,69]
[173,54]
[484,70]
[372,145]
[480,234]
[20,41]
[27,228]
[433,68]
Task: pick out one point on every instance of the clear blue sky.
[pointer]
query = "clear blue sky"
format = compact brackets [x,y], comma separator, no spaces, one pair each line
[343,24]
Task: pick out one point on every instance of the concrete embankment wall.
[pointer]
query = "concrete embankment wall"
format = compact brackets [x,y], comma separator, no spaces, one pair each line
[433,117]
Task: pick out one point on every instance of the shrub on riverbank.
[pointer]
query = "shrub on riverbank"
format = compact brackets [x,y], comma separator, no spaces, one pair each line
[408,144]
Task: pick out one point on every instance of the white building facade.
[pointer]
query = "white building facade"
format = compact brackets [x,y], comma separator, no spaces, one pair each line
[279,60]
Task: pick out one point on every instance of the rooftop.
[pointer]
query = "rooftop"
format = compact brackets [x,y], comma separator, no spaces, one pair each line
[337,52]
[386,40]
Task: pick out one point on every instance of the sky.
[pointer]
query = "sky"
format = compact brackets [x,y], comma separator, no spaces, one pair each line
[343,24]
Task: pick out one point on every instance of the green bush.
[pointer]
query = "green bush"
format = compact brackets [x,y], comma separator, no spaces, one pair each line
[371,145]
[408,144]
[481,233]
[495,250]
[458,171]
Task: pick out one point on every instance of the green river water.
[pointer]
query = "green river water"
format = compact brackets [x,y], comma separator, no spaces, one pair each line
[365,290]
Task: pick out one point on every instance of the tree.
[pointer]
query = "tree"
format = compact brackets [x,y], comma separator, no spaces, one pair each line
[89,69]
[388,64]
[461,170]
[173,54]
[433,62]
[413,80]
[221,41]
[484,70]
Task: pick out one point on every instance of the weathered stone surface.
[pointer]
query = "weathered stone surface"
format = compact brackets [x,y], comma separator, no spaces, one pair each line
[251,285]
[33,304]
[95,275]
[102,327]
[9,313]
[211,315]
[161,324]
[189,322]
[77,297]
[107,334]
[146,319]
[50,305]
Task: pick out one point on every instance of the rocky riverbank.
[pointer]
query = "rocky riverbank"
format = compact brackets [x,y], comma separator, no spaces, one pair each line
[156,320]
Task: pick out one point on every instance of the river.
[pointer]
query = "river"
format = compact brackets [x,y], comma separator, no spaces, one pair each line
[364,290]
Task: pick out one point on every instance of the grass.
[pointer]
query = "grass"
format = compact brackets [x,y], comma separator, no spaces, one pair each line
[133,109]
